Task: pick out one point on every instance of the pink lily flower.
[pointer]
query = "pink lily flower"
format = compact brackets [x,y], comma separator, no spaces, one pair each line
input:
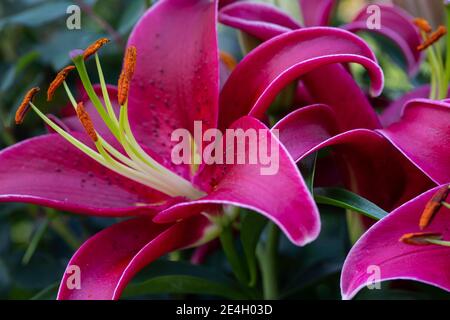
[265,21]
[399,249]
[358,140]
[175,83]
[389,165]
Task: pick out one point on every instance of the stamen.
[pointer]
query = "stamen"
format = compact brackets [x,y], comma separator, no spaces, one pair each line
[25,105]
[433,38]
[422,24]
[420,238]
[59,79]
[86,121]
[432,207]
[129,64]
[93,48]
[228,60]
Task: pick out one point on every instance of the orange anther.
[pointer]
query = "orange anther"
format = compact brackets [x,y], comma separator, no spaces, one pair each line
[93,48]
[25,105]
[86,121]
[59,79]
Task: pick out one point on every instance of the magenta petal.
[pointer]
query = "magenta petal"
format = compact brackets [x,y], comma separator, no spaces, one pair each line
[334,86]
[261,20]
[266,70]
[422,135]
[177,75]
[48,171]
[223,3]
[380,247]
[243,185]
[394,111]
[305,128]
[108,261]
[316,12]
[374,168]
[397,25]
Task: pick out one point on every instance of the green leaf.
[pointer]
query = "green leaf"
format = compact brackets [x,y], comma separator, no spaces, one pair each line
[7,80]
[348,200]
[167,267]
[131,15]
[252,225]
[5,277]
[310,276]
[55,51]
[183,284]
[48,293]
[38,15]
[233,257]
[308,170]
[39,233]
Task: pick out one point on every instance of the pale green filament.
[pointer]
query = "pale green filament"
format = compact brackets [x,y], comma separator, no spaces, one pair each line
[82,72]
[447,59]
[439,242]
[108,104]
[439,81]
[438,77]
[195,156]
[104,159]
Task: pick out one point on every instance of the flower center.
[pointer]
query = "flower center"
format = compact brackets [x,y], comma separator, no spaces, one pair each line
[134,163]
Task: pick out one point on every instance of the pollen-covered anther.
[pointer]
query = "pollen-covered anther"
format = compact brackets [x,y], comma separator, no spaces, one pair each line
[93,48]
[422,24]
[433,38]
[420,238]
[433,206]
[86,121]
[59,79]
[228,60]
[129,65]
[25,105]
